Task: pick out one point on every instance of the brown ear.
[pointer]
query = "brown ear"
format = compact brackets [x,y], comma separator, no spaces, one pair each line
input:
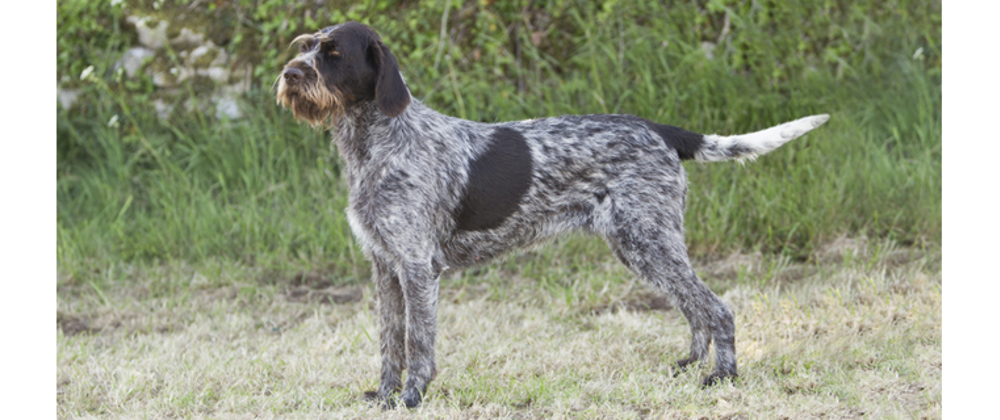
[391,95]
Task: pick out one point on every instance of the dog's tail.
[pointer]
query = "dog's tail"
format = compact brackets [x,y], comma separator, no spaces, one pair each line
[713,148]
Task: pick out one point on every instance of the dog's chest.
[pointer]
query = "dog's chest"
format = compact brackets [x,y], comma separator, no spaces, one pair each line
[363,232]
[361,208]
[378,207]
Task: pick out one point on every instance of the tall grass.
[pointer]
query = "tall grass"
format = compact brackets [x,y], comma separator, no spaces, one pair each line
[262,189]
[874,170]
[266,190]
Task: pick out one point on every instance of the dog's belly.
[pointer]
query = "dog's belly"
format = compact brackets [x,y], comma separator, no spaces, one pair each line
[466,248]
[535,222]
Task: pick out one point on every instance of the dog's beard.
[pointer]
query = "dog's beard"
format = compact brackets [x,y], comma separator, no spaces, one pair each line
[311,102]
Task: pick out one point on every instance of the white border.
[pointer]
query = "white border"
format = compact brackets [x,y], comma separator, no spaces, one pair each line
[970,210]
[27,171]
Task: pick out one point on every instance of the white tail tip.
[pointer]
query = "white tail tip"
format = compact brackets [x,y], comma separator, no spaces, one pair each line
[751,145]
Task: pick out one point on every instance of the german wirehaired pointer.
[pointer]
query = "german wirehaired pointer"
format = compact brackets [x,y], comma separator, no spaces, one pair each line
[429,192]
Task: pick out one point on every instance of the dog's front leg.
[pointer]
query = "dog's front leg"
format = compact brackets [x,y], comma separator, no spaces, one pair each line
[392,328]
[420,286]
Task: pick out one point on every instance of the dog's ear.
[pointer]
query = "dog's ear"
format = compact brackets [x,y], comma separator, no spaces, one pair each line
[391,95]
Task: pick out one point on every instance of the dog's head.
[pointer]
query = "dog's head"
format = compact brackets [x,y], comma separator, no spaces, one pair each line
[340,67]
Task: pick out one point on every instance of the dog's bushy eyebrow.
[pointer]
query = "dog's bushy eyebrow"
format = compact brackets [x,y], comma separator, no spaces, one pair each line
[304,38]
[319,37]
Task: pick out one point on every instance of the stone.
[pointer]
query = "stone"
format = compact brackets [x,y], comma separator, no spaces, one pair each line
[151,37]
[67,97]
[133,59]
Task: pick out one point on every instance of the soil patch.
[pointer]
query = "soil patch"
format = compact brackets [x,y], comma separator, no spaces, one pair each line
[73,325]
[644,302]
[330,295]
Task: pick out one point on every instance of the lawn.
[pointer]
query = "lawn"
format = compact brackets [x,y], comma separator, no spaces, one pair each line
[855,331]
[206,268]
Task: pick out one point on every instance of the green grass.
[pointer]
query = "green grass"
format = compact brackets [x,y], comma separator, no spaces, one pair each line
[194,254]
[259,191]
[268,191]
[855,331]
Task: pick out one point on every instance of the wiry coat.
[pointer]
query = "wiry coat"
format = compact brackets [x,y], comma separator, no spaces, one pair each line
[430,192]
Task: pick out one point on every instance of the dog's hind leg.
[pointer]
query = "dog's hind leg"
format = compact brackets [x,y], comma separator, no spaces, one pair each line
[651,243]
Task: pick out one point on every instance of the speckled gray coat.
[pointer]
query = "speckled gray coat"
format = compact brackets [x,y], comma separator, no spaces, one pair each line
[429,192]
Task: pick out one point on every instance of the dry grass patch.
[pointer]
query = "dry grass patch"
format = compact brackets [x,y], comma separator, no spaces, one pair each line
[855,333]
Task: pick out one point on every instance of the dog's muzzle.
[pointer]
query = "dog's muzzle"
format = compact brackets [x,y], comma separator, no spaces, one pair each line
[304,91]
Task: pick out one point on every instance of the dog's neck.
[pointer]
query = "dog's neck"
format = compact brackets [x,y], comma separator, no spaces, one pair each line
[363,123]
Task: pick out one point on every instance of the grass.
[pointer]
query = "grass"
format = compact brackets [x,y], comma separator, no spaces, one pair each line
[268,191]
[855,331]
[206,269]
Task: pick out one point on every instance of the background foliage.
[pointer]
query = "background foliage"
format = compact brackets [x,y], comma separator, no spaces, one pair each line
[133,187]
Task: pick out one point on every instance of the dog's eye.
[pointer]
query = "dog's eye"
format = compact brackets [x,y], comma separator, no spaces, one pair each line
[330,49]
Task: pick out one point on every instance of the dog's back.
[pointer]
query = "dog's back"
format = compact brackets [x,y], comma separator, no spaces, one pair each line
[428,191]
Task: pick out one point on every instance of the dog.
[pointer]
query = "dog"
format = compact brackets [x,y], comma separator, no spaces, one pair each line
[430,192]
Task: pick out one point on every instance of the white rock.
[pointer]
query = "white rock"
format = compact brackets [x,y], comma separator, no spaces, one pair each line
[133,59]
[708,48]
[227,107]
[188,36]
[163,108]
[151,37]
[217,74]
[198,52]
[67,97]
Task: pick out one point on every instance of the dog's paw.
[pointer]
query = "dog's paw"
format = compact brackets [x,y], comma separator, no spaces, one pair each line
[411,398]
[682,365]
[387,402]
[717,378]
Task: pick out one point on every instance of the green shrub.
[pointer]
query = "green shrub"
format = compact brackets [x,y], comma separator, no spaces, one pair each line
[189,187]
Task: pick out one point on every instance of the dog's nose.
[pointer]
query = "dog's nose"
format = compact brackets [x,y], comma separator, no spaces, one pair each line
[293,75]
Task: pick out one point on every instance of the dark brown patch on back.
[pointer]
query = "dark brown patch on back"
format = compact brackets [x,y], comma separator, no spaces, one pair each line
[498,179]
